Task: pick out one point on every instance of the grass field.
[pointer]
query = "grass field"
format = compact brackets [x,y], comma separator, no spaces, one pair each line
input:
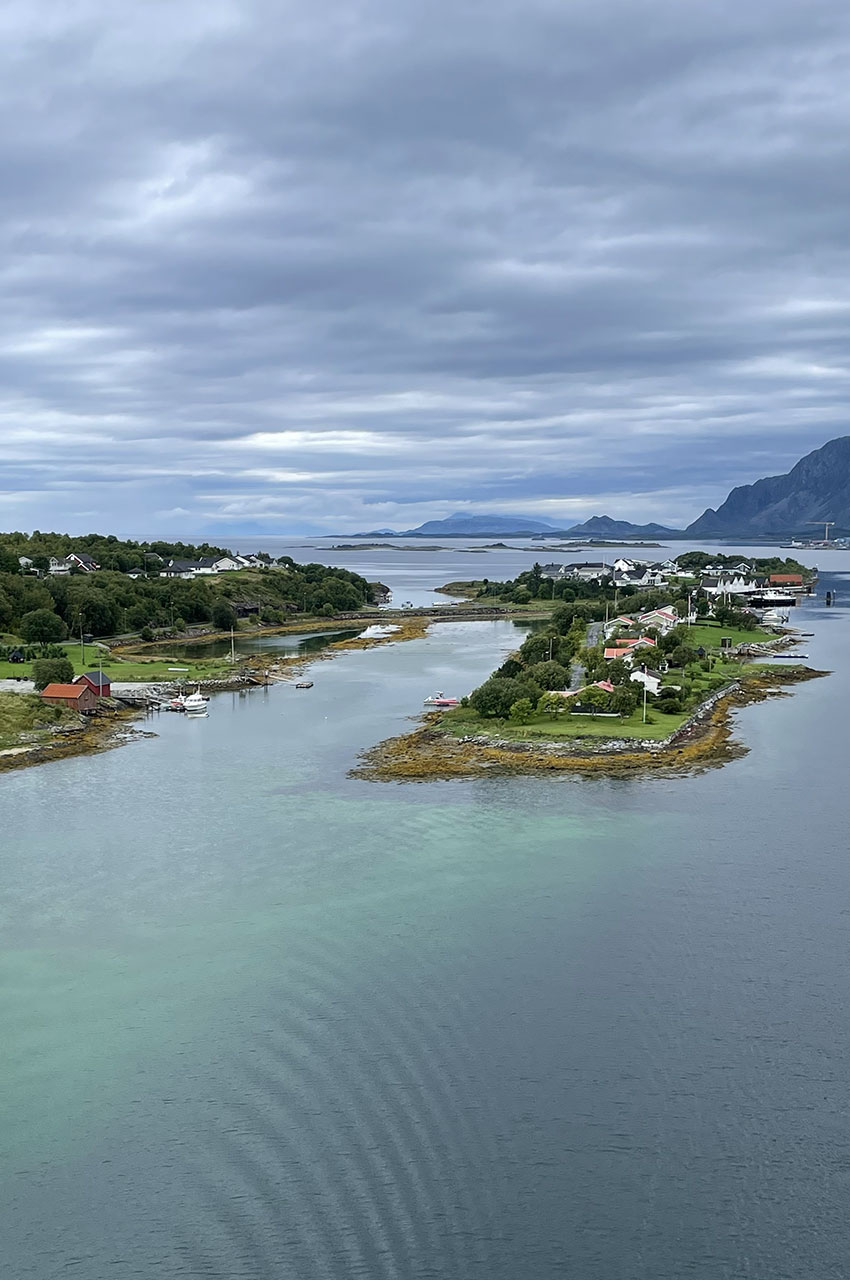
[118,669]
[464,722]
[26,713]
[708,634]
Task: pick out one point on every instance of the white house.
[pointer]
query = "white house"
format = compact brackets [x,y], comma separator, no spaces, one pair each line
[621,623]
[587,571]
[662,620]
[81,560]
[25,562]
[651,680]
[57,565]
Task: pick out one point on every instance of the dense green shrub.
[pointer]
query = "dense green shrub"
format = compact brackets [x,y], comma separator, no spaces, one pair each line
[47,671]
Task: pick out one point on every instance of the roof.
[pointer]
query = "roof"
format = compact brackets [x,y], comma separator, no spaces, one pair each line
[603,684]
[786,577]
[64,691]
[95,677]
[618,652]
[659,613]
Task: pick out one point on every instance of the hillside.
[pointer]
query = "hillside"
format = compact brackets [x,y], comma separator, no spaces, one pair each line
[489,526]
[465,526]
[817,488]
[607,528]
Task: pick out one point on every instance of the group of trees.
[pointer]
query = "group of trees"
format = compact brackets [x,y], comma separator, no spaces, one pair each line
[47,609]
[119,554]
[693,562]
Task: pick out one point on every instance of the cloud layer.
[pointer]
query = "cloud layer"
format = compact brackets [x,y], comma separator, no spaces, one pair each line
[362,263]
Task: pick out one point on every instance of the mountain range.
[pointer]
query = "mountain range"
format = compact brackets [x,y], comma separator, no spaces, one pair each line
[461,525]
[817,489]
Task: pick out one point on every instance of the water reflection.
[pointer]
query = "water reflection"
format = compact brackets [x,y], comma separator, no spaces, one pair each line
[291,643]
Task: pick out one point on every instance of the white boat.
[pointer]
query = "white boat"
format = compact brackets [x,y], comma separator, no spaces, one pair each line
[195,704]
[440,700]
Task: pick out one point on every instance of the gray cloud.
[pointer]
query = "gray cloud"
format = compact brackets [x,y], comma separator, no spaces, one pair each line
[368,262]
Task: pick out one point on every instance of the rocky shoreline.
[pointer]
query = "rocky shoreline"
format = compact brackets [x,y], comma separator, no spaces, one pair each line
[704,740]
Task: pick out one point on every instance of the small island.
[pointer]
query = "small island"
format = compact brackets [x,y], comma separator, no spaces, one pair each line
[619,678]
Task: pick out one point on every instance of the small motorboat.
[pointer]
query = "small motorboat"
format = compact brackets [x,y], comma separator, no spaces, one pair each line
[440,700]
[304,684]
[195,704]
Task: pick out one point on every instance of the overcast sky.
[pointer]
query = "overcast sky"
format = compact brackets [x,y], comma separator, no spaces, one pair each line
[346,264]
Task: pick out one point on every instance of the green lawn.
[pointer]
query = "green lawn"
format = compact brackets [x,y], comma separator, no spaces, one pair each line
[117,669]
[464,722]
[708,634]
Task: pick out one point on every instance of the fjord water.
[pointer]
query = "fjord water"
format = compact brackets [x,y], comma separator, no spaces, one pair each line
[260,1019]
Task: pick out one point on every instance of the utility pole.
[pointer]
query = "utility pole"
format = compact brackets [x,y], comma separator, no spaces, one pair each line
[82,646]
[644,701]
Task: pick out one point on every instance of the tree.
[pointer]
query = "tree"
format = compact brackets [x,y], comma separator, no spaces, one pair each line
[99,613]
[681,656]
[624,699]
[47,671]
[510,668]
[551,704]
[549,675]
[522,711]
[496,696]
[42,626]
[618,671]
[223,615]
[594,699]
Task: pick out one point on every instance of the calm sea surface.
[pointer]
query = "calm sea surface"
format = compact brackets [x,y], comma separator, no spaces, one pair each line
[259,1019]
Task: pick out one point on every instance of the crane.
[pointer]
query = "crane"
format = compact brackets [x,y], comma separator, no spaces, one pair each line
[827,525]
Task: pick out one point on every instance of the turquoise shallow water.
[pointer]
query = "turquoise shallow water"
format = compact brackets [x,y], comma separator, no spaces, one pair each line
[260,1019]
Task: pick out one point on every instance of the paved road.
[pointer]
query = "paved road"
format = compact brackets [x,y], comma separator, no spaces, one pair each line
[577,671]
[594,633]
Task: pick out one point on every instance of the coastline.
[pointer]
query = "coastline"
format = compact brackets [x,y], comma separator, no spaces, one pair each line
[705,740]
[115,727]
[103,733]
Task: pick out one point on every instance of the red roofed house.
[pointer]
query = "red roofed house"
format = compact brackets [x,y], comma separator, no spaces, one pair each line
[97,682]
[786,580]
[79,696]
[624,648]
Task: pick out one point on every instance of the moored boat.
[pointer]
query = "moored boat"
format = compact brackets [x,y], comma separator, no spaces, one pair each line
[195,703]
[440,700]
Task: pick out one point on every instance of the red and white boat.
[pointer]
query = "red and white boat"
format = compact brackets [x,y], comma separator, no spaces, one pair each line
[440,700]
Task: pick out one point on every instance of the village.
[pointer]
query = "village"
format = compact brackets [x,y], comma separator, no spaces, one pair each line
[171,567]
[739,580]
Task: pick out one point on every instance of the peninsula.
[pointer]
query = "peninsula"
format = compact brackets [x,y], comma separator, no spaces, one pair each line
[620,678]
